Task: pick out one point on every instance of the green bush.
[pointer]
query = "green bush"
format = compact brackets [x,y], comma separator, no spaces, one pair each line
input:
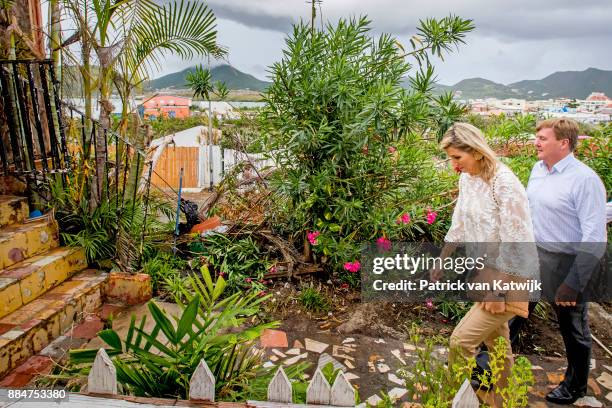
[349,140]
[435,384]
[312,300]
[207,328]
[240,260]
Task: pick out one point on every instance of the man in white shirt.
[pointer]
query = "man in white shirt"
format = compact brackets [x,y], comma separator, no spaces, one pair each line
[568,207]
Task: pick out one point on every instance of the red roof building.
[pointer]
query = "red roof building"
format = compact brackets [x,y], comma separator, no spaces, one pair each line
[167,106]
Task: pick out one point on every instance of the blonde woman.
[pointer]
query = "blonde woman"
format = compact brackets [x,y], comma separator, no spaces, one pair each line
[491,209]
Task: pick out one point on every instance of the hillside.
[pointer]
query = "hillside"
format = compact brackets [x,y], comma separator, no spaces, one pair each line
[233,78]
[570,84]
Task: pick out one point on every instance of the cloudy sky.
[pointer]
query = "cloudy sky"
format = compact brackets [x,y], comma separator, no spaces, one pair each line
[513,40]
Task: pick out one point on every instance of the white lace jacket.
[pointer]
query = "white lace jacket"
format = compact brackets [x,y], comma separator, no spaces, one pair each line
[496,212]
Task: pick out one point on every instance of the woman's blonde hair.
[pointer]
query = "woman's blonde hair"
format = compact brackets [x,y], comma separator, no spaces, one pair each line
[469,138]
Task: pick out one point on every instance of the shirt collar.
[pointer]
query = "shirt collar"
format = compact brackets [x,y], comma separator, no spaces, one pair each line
[561,165]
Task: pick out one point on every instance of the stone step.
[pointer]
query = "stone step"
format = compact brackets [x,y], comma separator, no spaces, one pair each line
[26,280]
[32,327]
[23,241]
[13,210]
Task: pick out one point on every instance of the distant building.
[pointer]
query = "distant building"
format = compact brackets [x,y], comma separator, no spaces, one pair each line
[169,106]
[595,101]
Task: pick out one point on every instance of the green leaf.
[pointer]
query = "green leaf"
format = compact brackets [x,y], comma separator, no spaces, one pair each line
[111,338]
[162,321]
[185,325]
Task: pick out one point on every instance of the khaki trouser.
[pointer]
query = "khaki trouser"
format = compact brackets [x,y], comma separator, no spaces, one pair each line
[479,326]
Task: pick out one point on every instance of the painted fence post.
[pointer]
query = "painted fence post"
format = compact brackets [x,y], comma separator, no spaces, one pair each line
[102,377]
[342,392]
[202,383]
[465,397]
[279,389]
[319,390]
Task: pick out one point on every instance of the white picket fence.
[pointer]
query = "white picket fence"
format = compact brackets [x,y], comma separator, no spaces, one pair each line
[103,380]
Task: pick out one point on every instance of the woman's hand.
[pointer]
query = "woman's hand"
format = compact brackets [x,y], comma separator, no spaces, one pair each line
[435,274]
[495,306]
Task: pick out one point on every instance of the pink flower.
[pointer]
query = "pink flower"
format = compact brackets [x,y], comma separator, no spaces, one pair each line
[429,304]
[344,286]
[272,269]
[431,216]
[403,219]
[312,237]
[248,280]
[391,149]
[222,274]
[352,266]
[383,244]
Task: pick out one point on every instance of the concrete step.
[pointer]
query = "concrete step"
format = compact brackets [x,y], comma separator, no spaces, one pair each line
[22,241]
[32,327]
[13,210]
[27,280]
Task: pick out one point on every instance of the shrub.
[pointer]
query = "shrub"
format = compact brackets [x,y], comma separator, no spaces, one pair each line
[348,138]
[313,301]
[435,384]
[201,331]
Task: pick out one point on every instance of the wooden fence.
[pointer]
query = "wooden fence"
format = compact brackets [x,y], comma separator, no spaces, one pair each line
[103,380]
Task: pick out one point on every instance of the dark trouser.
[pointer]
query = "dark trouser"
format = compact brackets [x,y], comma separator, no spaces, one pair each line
[573,321]
[574,325]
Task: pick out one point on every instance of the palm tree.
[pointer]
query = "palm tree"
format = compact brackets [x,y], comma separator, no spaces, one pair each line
[129,38]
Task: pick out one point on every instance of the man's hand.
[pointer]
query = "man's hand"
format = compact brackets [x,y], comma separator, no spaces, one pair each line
[565,296]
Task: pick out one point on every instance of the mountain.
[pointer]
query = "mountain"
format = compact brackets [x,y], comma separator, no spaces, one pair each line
[233,78]
[569,84]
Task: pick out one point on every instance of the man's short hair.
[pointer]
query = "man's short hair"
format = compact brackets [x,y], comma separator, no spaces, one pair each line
[563,128]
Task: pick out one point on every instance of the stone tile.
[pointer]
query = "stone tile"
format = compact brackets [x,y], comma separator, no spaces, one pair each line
[295,359]
[58,348]
[555,378]
[340,352]
[36,365]
[609,396]
[12,334]
[380,341]
[273,338]
[4,327]
[348,340]
[409,347]
[588,402]
[298,344]
[594,387]
[293,352]
[605,379]
[315,346]
[274,358]
[16,380]
[382,367]
[593,364]
[351,376]
[108,309]
[349,364]
[88,329]
[325,359]
[374,400]
[398,355]
[397,393]
[607,367]
[536,367]
[268,364]
[395,379]
[279,353]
